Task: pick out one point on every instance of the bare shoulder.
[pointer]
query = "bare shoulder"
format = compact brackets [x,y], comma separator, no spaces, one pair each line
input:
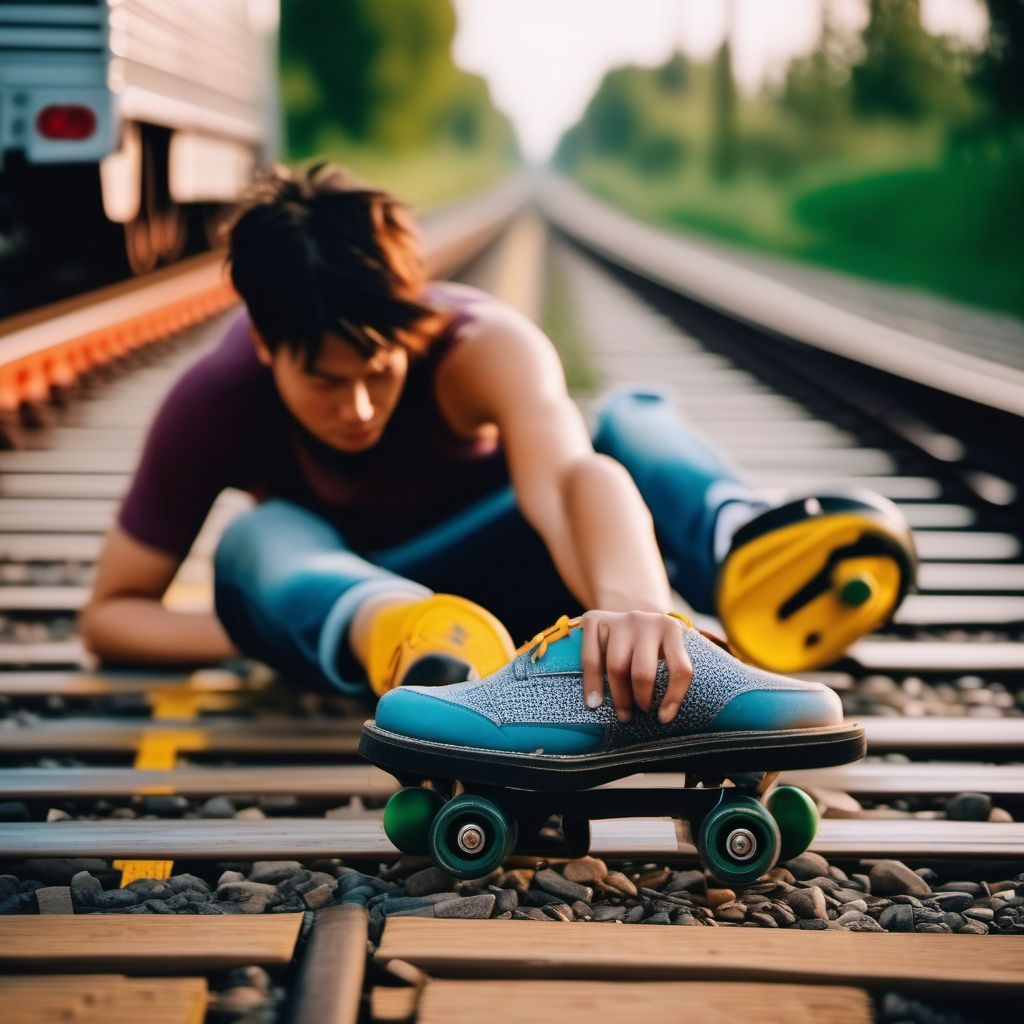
[502,358]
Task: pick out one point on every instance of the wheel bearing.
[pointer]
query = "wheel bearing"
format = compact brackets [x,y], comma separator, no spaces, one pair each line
[741,843]
[471,838]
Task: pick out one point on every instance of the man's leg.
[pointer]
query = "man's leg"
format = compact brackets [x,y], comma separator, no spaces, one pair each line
[489,554]
[698,500]
[287,589]
[793,585]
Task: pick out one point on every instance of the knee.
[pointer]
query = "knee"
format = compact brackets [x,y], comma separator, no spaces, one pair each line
[618,410]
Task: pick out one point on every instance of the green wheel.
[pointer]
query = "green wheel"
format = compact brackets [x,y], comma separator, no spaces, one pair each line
[739,840]
[471,836]
[797,818]
[408,816]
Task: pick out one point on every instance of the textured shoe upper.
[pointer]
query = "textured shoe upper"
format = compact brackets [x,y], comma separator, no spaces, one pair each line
[536,704]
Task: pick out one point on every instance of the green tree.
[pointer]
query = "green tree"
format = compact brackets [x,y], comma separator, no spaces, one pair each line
[817,87]
[905,72]
[999,72]
[723,114]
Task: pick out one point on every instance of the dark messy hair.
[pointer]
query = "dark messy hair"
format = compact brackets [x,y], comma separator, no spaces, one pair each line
[321,251]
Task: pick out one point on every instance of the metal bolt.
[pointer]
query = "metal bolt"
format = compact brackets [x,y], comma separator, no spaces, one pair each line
[741,843]
[471,838]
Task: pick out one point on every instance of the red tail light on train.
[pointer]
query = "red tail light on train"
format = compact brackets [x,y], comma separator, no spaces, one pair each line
[66,121]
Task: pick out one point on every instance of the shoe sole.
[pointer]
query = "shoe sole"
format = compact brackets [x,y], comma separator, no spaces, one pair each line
[712,754]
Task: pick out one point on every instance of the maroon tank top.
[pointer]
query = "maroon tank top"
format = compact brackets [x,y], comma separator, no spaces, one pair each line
[223,424]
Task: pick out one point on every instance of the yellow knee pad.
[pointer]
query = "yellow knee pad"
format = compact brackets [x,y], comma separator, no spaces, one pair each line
[440,625]
[821,574]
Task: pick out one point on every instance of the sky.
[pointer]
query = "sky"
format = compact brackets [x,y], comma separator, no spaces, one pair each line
[544,58]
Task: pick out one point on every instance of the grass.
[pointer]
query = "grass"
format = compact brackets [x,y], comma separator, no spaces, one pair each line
[426,179]
[948,226]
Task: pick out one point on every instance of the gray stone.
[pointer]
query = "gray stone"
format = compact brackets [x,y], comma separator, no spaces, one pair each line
[659,918]
[251,897]
[684,881]
[360,894]
[684,919]
[812,925]
[969,807]
[604,912]
[893,877]
[865,924]
[971,888]
[468,907]
[9,885]
[14,810]
[54,899]
[731,911]
[250,814]
[227,877]
[952,901]
[270,872]
[551,881]
[505,899]
[149,888]
[115,899]
[974,928]
[897,918]
[217,807]
[858,905]
[783,916]
[530,914]
[558,911]
[807,865]
[429,880]
[190,883]
[166,806]
[808,904]
[634,915]
[984,914]
[762,920]
[85,888]
[393,904]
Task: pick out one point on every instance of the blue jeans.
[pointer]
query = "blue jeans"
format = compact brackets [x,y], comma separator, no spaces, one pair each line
[287,585]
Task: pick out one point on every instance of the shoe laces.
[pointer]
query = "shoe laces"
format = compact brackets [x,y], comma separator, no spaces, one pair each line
[562,627]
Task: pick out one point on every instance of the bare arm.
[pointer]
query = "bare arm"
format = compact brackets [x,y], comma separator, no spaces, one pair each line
[124,619]
[585,506]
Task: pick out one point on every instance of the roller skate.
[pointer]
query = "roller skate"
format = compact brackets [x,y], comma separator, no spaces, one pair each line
[486,764]
[438,639]
[803,581]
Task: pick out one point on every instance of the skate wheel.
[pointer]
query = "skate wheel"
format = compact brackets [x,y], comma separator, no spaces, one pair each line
[797,818]
[739,840]
[471,836]
[408,816]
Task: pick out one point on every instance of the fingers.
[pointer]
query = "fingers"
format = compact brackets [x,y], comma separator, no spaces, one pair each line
[593,661]
[680,671]
[644,665]
[618,661]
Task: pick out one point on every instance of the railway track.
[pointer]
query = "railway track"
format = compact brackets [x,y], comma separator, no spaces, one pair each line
[254,832]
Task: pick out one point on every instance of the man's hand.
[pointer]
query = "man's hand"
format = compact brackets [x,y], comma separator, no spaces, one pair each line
[627,646]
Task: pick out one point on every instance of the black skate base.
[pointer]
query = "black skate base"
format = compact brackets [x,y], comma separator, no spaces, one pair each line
[708,754]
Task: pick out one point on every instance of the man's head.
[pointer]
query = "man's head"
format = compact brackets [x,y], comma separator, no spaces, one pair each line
[331,273]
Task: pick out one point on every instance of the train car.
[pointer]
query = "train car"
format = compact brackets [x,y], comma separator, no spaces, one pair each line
[124,123]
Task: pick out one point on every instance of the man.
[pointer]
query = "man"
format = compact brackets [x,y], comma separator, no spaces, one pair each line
[425,483]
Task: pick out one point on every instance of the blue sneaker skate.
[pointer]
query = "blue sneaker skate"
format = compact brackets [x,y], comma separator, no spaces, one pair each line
[486,763]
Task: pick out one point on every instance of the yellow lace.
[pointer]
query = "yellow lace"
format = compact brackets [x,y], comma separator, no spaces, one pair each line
[562,627]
